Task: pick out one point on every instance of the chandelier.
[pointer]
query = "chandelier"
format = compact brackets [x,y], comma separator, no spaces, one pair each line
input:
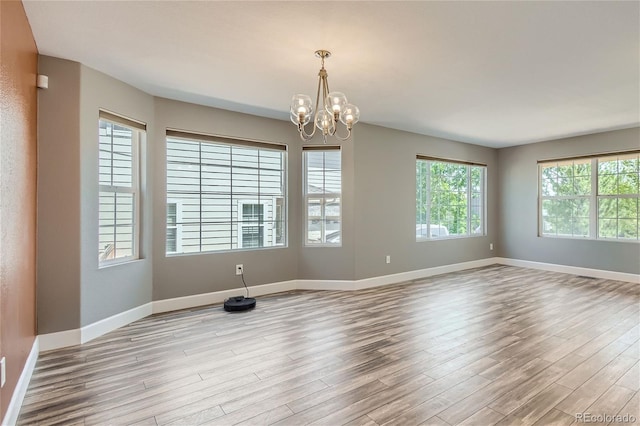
[334,108]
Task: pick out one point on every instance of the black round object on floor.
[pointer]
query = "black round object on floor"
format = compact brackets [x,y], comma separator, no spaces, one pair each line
[239,303]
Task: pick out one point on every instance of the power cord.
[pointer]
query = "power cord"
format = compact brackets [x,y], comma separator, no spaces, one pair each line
[245,284]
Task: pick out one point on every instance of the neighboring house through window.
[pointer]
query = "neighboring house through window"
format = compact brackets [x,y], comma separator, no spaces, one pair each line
[590,197]
[224,194]
[450,198]
[174,226]
[323,195]
[119,142]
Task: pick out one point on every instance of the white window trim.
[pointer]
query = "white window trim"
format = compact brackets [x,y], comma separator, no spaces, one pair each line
[323,200]
[593,204]
[241,224]
[200,138]
[483,192]
[177,226]
[136,142]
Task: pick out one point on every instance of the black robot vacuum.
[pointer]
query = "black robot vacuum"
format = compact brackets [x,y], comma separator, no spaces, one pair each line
[239,303]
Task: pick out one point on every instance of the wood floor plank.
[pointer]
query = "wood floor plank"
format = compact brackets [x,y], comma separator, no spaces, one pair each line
[434,421]
[583,372]
[484,417]
[392,409]
[555,418]
[537,407]
[592,389]
[491,345]
[631,379]
[611,402]
[632,409]
[494,390]
[267,418]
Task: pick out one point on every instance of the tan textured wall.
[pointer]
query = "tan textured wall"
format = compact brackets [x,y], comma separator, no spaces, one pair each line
[18,100]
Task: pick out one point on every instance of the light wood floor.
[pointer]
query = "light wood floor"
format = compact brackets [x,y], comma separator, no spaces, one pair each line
[495,345]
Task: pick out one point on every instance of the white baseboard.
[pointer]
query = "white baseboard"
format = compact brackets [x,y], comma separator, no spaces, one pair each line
[422,273]
[59,339]
[347,285]
[91,331]
[177,303]
[339,285]
[575,270]
[11,416]
[97,329]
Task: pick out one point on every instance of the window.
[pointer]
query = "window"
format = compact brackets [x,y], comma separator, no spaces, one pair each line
[251,224]
[119,183]
[174,227]
[450,198]
[590,197]
[322,195]
[224,194]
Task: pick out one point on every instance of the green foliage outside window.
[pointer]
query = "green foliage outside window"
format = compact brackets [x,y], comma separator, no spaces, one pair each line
[589,197]
[449,199]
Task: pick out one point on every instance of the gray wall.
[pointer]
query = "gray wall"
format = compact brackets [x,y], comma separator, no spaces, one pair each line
[378,204]
[385,200]
[58,251]
[184,275]
[72,290]
[518,179]
[333,263]
[115,288]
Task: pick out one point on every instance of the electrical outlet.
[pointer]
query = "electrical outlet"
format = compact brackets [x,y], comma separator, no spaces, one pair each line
[388,259]
[491,246]
[3,371]
[239,269]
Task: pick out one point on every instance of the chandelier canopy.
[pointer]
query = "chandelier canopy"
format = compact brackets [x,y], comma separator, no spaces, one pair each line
[334,108]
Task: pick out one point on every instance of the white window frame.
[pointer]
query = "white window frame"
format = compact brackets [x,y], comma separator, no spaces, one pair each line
[483,192]
[323,197]
[201,138]
[593,198]
[241,223]
[138,134]
[177,226]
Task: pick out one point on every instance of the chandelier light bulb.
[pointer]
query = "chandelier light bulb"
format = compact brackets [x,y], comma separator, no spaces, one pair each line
[324,121]
[335,102]
[296,119]
[301,105]
[349,115]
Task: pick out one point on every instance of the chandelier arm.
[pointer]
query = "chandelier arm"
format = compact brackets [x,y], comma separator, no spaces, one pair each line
[325,95]
[320,79]
[303,133]
[343,138]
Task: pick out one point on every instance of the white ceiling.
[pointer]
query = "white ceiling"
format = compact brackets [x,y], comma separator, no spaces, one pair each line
[489,73]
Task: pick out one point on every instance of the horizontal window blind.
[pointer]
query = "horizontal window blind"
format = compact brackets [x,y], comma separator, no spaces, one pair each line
[446,160]
[129,122]
[224,196]
[226,140]
[589,156]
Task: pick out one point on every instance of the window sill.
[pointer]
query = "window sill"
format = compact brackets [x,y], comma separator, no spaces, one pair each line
[113,263]
[449,237]
[239,250]
[610,240]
